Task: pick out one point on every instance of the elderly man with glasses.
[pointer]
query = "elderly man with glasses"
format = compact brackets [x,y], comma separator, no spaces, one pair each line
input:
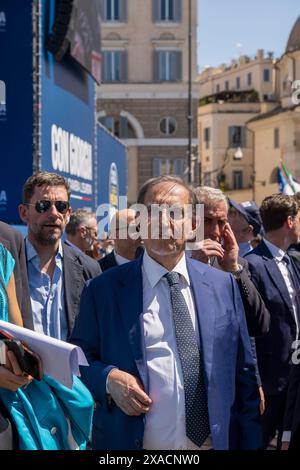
[82,231]
[56,272]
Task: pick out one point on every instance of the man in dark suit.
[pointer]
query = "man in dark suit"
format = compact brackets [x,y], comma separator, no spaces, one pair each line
[13,241]
[124,249]
[220,249]
[294,250]
[276,278]
[167,342]
[56,272]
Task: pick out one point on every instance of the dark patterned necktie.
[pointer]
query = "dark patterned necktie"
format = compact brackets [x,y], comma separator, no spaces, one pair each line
[196,410]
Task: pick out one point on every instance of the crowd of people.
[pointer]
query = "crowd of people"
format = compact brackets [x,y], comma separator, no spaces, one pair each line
[190,346]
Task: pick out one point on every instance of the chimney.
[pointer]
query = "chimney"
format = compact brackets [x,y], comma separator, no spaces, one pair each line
[260,54]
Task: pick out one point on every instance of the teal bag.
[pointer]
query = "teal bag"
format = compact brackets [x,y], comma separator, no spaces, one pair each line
[50,416]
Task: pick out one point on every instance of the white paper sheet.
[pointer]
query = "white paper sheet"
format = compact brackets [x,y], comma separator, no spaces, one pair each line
[60,359]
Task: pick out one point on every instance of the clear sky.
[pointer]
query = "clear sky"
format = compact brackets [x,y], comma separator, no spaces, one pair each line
[230,28]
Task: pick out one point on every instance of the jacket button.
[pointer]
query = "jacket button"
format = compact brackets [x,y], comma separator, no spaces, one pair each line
[53,430]
[138,444]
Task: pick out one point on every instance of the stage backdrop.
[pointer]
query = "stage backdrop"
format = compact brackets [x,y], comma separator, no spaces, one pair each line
[16,105]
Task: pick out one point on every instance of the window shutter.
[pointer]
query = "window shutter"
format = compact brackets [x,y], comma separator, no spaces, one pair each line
[124,66]
[102,10]
[243,137]
[230,135]
[124,10]
[156,167]
[156,11]
[104,66]
[123,127]
[156,68]
[178,167]
[176,66]
[177,5]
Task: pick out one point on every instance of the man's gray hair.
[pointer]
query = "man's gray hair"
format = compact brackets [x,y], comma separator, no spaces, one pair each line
[208,194]
[79,218]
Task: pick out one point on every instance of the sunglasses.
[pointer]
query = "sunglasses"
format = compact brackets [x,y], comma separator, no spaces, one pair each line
[42,206]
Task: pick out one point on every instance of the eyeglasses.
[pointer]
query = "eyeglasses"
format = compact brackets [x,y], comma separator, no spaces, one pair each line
[42,206]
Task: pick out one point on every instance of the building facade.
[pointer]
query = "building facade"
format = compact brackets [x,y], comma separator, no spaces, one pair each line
[230,96]
[277,132]
[144,96]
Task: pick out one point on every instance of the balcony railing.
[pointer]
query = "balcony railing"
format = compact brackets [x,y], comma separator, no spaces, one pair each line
[249,96]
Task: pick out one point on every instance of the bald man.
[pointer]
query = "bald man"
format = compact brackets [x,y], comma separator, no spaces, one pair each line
[125,248]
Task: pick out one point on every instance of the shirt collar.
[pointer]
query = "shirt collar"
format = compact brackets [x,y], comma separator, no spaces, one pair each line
[156,271]
[120,259]
[32,253]
[276,252]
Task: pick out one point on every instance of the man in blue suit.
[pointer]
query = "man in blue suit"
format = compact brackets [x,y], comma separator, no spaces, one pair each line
[275,276]
[167,343]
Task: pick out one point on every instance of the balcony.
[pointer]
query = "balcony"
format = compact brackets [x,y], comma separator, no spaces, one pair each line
[249,96]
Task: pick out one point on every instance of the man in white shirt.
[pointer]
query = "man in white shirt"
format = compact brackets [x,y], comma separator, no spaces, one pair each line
[167,343]
[275,277]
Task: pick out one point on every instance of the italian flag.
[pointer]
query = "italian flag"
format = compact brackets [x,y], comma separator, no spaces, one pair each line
[292,186]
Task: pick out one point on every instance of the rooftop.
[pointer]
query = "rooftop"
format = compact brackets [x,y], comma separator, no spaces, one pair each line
[293,43]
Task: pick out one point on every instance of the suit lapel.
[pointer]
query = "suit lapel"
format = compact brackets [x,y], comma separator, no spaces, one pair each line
[276,276]
[203,296]
[73,277]
[131,306]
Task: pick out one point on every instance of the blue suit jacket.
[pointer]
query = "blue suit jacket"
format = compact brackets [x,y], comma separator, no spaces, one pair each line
[109,329]
[273,349]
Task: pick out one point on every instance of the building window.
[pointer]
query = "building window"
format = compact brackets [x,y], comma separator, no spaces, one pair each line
[227,85]
[207,137]
[167,66]
[168,166]
[236,136]
[120,126]
[266,75]
[238,82]
[218,89]
[249,79]
[168,125]
[276,138]
[167,10]
[114,67]
[114,10]
[238,180]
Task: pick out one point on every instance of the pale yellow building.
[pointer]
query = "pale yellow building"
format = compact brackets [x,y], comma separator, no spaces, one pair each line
[144,95]
[277,133]
[230,96]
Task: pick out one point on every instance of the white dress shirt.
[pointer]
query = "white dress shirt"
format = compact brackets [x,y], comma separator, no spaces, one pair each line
[165,422]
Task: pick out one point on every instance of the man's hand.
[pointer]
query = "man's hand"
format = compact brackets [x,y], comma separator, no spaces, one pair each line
[285,446]
[128,393]
[207,249]
[229,262]
[11,376]
[262,403]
